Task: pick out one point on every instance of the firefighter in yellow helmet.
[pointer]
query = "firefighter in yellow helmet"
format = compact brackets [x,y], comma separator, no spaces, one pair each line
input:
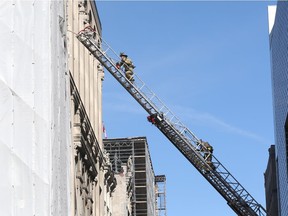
[208,151]
[128,66]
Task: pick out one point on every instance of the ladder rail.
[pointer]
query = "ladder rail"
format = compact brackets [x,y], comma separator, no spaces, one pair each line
[159,105]
[227,180]
[183,139]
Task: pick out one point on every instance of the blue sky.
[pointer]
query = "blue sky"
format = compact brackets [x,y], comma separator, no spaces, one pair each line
[209,62]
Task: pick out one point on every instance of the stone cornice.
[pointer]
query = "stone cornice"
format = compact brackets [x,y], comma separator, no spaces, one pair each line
[85,141]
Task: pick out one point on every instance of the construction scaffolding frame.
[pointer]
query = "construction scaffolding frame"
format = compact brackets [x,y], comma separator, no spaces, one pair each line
[160,183]
[120,150]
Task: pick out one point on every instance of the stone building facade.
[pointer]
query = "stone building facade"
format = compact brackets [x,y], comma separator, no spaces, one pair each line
[93,180]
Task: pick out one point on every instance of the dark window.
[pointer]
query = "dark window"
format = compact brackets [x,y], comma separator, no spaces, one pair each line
[90,17]
[94,34]
[85,3]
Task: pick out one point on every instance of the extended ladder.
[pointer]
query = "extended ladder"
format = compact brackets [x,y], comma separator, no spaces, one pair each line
[237,197]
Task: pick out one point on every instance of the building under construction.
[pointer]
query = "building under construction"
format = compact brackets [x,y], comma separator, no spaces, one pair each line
[131,162]
[160,183]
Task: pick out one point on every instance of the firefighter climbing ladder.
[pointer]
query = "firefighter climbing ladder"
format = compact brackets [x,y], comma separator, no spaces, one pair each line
[182,138]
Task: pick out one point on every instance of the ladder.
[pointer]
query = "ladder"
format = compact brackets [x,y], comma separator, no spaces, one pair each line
[237,197]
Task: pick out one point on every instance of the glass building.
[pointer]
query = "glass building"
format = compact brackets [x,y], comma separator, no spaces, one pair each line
[278,30]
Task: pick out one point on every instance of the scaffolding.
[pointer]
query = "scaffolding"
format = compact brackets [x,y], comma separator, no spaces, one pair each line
[160,187]
[141,183]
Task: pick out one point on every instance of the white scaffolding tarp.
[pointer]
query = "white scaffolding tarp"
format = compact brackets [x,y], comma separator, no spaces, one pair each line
[34,109]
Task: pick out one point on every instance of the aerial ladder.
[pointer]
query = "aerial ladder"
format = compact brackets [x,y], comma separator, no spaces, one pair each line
[237,197]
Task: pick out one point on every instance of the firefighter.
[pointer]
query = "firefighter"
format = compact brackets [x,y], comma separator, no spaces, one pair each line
[128,66]
[208,151]
[152,118]
[155,118]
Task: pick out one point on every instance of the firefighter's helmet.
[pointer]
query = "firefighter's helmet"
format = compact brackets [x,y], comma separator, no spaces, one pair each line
[123,54]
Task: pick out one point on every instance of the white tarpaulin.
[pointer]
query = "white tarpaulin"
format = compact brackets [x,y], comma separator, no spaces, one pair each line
[34,113]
